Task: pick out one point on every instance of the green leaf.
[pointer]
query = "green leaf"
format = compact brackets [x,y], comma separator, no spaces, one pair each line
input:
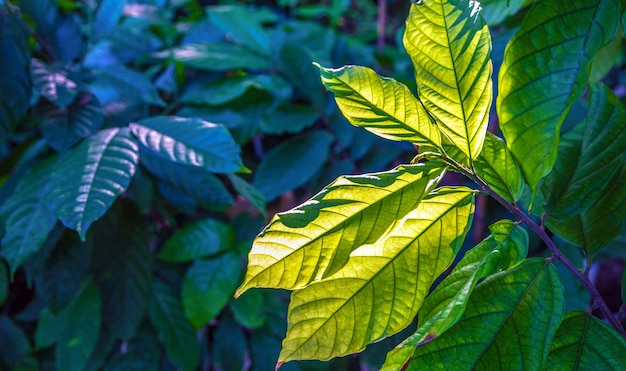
[243,24]
[588,158]
[134,81]
[142,352]
[496,11]
[27,217]
[505,327]
[381,105]
[174,330]
[248,309]
[382,286]
[606,58]
[291,164]
[80,333]
[49,326]
[197,240]
[53,83]
[16,350]
[498,168]
[4,282]
[190,141]
[220,56]
[91,176]
[248,192]
[450,46]
[289,118]
[107,16]
[230,351]
[316,238]
[596,227]
[208,286]
[232,87]
[584,342]
[505,248]
[295,62]
[536,89]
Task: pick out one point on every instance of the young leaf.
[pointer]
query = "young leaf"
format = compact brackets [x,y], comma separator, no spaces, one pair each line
[535,88]
[91,176]
[583,342]
[510,320]
[197,240]
[190,141]
[381,105]
[450,46]
[208,286]
[498,168]
[505,248]
[316,238]
[380,289]
[589,156]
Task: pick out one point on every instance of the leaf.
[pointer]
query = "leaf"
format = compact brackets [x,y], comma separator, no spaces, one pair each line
[208,286]
[107,16]
[295,62]
[53,83]
[505,248]
[496,11]
[315,239]
[248,192]
[4,282]
[248,309]
[91,176]
[80,333]
[588,158]
[27,216]
[142,352]
[498,168]
[230,88]
[174,330]
[291,164]
[505,327]
[450,46]
[382,286]
[133,81]
[190,141]
[243,24]
[536,90]
[218,56]
[606,58]
[49,326]
[197,240]
[289,118]
[230,352]
[16,350]
[381,105]
[583,342]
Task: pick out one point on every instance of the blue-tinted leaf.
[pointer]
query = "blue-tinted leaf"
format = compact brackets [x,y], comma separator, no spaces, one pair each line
[243,24]
[232,87]
[142,352]
[107,16]
[248,192]
[289,118]
[197,240]
[295,61]
[217,57]
[53,83]
[16,351]
[134,81]
[4,282]
[126,43]
[49,326]
[496,11]
[230,350]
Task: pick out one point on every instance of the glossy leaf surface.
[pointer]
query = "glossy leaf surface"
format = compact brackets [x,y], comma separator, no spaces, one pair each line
[380,289]
[499,169]
[197,240]
[450,46]
[217,57]
[536,89]
[315,239]
[53,83]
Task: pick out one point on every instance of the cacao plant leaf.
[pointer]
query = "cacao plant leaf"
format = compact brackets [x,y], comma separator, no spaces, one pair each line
[248,192]
[197,240]
[218,56]
[53,83]
[499,169]
[450,46]
[16,352]
[107,16]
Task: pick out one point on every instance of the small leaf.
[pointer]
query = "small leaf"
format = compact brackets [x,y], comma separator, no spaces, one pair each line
[190,141]
[584,342]
[16,350]
[381,105]
[316,238]
[91,176]
[53,83]
[291,164]
[498,168]
[505,327]
[450,46]
[219,56]
[382,286]
[174,330]
[536,89]
[197,240]
[248,192]
[208,286]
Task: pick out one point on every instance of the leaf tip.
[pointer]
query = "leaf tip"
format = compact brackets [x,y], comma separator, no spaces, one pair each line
[278,364]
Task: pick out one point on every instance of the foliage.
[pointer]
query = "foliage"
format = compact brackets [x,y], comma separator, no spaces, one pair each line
[363,256]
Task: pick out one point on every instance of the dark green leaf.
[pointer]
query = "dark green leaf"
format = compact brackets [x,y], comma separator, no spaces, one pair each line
[142,353]
[91,176]
[584,342]
[49,326]
[134,81]
[174,330]
[265,347]
[248,309]
[233,87]
[217,57]
[496,11]
[107,16]
[289,118]
[4,282]
[190,141]
[16,351]
[243,24]
[248,192]
[536,89]
[208,286]
[291,164]
[230,347]
[295,62]
[197,240]
[510,320]
[497,167]
[53,83]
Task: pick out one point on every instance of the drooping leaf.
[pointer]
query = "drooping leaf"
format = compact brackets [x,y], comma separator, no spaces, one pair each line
[248,192]
[82,326]
[291,164]
[510,320]
[16,350]
[27,217]
[316,238]
[91,176]
[583,342]
[499,169]
[536,89]
[505,248]
[450,46]
[381,105]
[230,352]
[190,141]
[588,158]
[197,240]
[174,330]
[382,286]
[219,56]
[107,16]
[53,83]
[208,285]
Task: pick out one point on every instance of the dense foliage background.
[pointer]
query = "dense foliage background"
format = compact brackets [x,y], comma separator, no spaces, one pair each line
[127,217]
